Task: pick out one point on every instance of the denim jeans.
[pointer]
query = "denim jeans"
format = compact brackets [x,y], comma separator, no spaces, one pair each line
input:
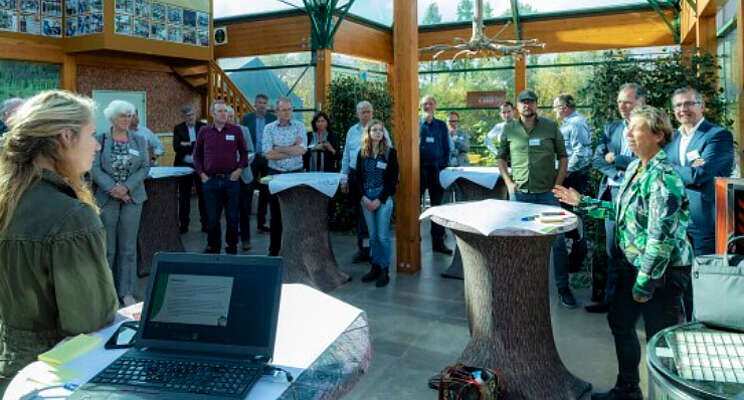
[662,311]
[222,193]
[558,252]
[378,223]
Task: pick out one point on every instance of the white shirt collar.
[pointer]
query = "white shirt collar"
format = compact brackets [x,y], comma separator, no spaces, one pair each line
[684,132]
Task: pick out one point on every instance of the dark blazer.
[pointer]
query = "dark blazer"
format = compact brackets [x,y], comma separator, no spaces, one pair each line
[330,160]
[610,141]
[181,134]
[249,121]
[389,177]
[715,145]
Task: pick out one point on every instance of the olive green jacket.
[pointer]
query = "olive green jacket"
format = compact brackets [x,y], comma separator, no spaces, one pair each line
[54,279]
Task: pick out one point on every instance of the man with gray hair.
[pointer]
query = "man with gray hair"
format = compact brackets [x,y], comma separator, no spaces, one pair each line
[6,110]
[365,113]
[255,122]
[284,142]
[184,139]
[611,158]
[246,185]
[154,145]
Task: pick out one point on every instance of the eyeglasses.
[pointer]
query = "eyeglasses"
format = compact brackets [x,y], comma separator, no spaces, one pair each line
[687,104]
[454,121]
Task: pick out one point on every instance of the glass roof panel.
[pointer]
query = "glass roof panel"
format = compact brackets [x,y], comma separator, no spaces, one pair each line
[529,7]
[232,8]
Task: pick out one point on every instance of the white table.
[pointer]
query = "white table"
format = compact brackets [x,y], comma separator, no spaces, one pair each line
[312,328]
[306,247]
[486,177]
[505,260]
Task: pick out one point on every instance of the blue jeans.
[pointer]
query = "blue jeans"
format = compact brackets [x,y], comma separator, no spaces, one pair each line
[559,253]
[378,224]
[222,193]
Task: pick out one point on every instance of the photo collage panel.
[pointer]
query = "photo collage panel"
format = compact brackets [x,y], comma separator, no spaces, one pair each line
[161,21]
[83,17]
[37,17]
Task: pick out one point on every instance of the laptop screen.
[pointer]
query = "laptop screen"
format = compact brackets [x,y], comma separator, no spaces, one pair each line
[213,303]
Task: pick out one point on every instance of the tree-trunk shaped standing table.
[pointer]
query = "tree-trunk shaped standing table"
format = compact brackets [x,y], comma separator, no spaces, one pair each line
[506,294]
[158,230]
[306,247]
[471,184]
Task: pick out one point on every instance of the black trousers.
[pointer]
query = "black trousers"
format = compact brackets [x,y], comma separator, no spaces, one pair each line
[246,198]
[662,311]
[259,169]
[184,200]
[430,180]
[275,227]
[578,180]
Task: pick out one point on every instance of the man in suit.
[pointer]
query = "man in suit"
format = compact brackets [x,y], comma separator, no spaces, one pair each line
[184,137]
[700,151]
[611,158]
[255,122]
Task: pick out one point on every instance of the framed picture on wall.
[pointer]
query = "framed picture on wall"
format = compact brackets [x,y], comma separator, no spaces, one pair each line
[30,6]
[175,15]
[189,36]
[96,6]
[142,8]
[52,8]
[124,7]
[8,4]
[83,6]
[96,23]
[71,29]
[158,12]
[202,20]
[158,31]
[123,24]
[175,34]
[142,28]
[29,23]
[83,24]
[70,7]
[8,21]
[52,27]
[203,38]
[189,18]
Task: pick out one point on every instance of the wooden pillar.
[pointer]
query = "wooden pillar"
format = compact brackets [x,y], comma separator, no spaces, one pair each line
[322,77]
[69,73]
[405,56]
[520,76]
[705,32]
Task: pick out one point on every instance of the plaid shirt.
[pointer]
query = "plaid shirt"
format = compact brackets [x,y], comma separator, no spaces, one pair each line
[651,214]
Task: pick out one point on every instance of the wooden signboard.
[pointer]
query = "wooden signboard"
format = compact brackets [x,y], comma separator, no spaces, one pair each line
[487,99]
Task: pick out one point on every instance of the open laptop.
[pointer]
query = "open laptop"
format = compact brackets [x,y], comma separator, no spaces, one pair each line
[207,330]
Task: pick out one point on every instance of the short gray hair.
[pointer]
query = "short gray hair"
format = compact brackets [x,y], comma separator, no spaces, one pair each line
[187,109]
[363,104]
[688,89]
[116,108]
[426,97]
[215,104]
[9,106]
[639,91]
[284,99]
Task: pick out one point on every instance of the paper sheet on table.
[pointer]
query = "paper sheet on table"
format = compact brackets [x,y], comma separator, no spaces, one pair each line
[70,349]
[490,217]
[484,176]
[324,182]
[164,172]
[48,374]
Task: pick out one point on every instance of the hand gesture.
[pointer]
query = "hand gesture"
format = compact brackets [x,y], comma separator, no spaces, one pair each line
[374,204]
[235,175]
[610,158]
[567,195]
[699,162]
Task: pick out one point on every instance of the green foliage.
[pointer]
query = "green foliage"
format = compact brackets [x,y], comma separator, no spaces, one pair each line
[343,95]
[522,7]
[432,15]
[465,10]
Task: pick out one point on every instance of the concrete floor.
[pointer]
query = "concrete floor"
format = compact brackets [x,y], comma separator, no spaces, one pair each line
[418,323]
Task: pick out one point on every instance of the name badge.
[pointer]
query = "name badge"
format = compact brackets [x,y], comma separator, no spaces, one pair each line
[381,165]
[534,142]
[429,139]
[229,137]
[134,152]
[693,155]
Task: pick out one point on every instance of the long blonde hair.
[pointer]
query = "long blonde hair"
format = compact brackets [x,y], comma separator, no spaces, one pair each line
[382,146]
[34,133]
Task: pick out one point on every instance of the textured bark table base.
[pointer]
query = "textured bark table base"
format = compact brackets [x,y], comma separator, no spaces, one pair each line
[306,247]
[158,230]
[506,295]
[470,191]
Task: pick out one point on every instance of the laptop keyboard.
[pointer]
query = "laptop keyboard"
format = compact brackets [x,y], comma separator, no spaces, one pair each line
[189,376]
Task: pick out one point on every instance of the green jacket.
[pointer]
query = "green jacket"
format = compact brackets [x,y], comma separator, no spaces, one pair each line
[54,279]
[651,217]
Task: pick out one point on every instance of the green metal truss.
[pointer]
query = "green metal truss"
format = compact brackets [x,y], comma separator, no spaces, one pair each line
[515,20]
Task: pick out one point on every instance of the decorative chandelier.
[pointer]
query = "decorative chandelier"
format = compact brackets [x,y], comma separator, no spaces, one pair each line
[479,43]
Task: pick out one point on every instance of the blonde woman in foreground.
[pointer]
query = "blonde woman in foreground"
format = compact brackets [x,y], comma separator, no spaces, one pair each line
[54,279]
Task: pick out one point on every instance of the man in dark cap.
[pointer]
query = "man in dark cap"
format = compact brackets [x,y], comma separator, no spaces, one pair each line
[533,144]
